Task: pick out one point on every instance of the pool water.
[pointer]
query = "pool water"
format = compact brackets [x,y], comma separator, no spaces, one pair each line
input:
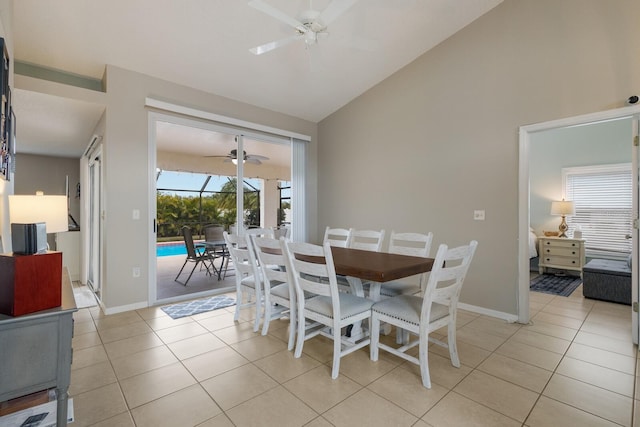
[169,249]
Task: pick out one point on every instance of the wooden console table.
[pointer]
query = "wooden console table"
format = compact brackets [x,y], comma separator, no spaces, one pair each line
[36,352]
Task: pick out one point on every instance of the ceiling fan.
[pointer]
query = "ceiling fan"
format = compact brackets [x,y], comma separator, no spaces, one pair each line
[308,25]
[248,158]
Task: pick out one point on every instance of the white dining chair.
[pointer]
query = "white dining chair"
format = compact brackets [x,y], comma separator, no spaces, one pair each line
[340,237]
[367,240]
[278,290]
[328,310]
[420,316]
[248,284]
[412,244]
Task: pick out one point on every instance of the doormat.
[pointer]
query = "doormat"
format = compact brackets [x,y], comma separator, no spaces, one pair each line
[190,308]
[555,285]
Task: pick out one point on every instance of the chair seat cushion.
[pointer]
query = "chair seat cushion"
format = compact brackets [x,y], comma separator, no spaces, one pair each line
[350,305]
[408,308]
[281,290]
[392,289]
[249,282]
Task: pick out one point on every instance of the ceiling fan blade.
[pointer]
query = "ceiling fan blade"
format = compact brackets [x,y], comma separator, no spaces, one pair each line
[268,47]
[257,157]
[253,161]
[277,14]
[334,10]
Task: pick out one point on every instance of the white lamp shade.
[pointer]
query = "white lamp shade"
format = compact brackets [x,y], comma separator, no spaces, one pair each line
[28,209]
[563,208]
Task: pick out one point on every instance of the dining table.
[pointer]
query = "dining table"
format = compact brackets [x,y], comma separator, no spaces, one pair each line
[375,268]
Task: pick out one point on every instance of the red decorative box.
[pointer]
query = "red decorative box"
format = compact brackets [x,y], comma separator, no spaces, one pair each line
[30,283]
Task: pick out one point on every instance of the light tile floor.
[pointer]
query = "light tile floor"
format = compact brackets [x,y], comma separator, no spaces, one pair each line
[574,365]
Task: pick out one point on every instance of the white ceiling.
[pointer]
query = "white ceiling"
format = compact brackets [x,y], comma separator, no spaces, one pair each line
[205,44]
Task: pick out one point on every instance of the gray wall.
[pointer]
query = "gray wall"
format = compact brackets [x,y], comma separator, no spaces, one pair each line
[127,173]
[429,145]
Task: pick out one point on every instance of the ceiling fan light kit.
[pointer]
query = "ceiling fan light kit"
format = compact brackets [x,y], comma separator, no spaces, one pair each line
[246,158]
[308,25]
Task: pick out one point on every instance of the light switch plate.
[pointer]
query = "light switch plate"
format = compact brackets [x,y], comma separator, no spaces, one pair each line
[478,215]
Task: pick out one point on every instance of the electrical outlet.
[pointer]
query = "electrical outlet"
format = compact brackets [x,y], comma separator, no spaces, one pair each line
[478,215]
[136,271]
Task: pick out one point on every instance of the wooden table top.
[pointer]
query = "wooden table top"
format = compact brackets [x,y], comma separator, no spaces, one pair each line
[378,266]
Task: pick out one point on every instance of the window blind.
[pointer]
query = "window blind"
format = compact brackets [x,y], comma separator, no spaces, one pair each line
[602,198]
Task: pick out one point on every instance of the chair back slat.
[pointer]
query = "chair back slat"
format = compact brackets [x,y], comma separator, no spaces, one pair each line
[269,254]
[312,268]
[239,254]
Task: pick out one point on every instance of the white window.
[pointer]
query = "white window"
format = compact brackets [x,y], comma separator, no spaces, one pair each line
[602,197]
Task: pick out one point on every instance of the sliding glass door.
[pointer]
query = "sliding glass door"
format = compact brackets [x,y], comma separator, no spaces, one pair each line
[201,168]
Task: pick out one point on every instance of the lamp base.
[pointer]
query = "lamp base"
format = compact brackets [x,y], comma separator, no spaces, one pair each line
[563,228]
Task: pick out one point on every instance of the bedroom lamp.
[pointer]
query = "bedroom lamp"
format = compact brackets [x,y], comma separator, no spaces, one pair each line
[28,214]
[563,208]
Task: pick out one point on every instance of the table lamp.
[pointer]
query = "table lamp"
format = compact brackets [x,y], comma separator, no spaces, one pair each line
[563,208]
[32,217]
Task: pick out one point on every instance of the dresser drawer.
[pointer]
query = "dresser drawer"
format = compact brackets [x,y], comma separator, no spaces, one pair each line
[561,251]
[558,243]
[561,261]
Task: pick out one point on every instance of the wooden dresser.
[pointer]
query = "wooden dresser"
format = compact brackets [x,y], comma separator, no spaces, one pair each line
[561,253]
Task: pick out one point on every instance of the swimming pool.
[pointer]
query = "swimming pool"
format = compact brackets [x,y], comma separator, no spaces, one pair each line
[170,248]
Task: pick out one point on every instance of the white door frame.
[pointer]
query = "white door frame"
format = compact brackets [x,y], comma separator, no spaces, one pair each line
[523,201]
[94,206]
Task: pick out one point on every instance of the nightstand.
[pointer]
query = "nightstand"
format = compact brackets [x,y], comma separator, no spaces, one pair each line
[561,253]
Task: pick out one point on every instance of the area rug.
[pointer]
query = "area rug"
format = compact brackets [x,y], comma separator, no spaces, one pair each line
[190,308]
[556,285]
[84,297]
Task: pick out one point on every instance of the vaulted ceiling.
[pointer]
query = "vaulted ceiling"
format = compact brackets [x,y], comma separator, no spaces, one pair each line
[205,44]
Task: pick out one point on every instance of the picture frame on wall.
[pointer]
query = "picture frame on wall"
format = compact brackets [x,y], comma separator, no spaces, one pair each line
[7,146]
[12,140]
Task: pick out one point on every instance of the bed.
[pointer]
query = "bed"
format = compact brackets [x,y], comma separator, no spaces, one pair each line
[533,251]
[533,244]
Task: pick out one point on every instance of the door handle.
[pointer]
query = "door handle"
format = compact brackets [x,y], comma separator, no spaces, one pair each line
[627,236]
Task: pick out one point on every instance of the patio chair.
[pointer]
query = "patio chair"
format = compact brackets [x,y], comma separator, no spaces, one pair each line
[422,315]
[198,255]
[327,310]
[213,233]
[281,231]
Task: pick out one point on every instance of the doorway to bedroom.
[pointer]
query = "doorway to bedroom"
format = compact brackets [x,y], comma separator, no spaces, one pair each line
[550,152]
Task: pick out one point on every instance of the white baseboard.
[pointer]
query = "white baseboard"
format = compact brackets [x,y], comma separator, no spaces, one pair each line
[511,318]
[123,308]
